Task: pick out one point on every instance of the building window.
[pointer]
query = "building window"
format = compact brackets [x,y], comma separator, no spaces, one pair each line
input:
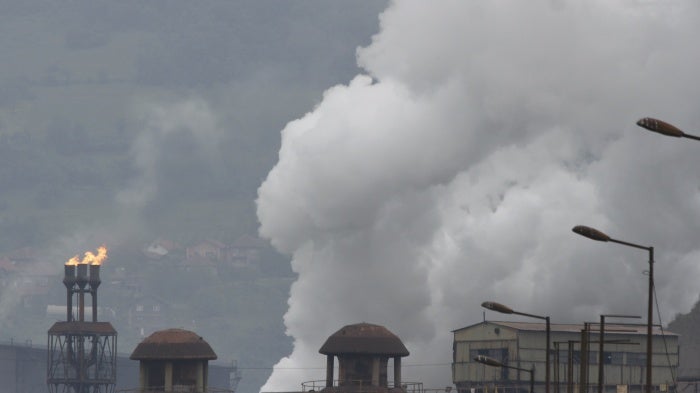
[608,357]
[576,356]
[636,359]
[593,357]
[613,357]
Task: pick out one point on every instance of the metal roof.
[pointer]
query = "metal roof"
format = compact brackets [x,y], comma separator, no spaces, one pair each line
[610,328]
[173,344]
[364,338]
[76,327]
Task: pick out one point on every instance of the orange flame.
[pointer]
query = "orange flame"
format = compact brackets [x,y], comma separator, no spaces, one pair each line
[73,261]
[90,258]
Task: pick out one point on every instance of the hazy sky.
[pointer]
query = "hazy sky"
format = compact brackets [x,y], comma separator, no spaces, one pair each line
[124,122]
[452,170]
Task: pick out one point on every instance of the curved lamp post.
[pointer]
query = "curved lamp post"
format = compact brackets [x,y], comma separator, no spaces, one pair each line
[495,363]
[664,128]
[493,306]
[601,237]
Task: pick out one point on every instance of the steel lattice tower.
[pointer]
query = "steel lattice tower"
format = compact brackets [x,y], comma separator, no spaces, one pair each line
[82,354]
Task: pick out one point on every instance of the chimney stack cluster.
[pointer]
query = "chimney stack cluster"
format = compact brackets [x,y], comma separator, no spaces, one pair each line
[81,279]
[82,355]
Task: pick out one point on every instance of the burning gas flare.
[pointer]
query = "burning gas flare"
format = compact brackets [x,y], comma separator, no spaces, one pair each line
[90,258]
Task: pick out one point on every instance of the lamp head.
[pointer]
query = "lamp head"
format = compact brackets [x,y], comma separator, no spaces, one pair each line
[488,361]
[659,126]
[591,233]
[498,307]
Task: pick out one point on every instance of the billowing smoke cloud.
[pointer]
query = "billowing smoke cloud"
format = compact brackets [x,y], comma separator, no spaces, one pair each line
[453,171]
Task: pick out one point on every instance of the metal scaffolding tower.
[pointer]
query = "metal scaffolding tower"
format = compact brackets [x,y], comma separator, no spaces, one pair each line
[82,354]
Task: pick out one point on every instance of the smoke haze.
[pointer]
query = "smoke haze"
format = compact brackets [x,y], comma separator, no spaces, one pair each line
[136,125]
[157,121]
[453,170]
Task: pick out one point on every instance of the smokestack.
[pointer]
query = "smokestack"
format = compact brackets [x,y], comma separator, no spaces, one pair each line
[82,354]
[94,283]
[69,281]
[82,278]
[94,280]
[82,281]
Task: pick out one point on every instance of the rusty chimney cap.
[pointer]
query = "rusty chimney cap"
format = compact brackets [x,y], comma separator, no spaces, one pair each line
[364,338]
[173,344]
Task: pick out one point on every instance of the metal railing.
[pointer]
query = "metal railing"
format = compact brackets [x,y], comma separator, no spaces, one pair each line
[360,386]
[175,389]
[501,389]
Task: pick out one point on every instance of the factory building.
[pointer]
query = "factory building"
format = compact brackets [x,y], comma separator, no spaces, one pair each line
[522,345]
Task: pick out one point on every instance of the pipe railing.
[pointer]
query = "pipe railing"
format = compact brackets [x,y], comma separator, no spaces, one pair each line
[360,386]
[175,389]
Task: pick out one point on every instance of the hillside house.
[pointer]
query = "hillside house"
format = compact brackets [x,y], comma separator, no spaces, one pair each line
[147,314]
[161,248]
[207,249]
[246,250]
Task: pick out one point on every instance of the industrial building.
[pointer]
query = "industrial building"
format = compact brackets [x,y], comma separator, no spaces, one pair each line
[522,345]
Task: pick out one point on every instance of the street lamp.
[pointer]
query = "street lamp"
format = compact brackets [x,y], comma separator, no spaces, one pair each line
[664,128]
[493,306]
[600,236]
[495,363]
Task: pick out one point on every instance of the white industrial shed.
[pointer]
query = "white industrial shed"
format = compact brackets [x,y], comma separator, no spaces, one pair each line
[522,345]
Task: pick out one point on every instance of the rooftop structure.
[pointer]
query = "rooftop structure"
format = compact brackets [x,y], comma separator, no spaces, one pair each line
[173,360]
[363,351]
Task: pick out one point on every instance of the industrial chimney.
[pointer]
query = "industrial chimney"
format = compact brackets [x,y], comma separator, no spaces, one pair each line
[82,354]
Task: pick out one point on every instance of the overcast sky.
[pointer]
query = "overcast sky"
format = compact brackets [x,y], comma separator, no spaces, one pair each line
[452,170]
[122,122]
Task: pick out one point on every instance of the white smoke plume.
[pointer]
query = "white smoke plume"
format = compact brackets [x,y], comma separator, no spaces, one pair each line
[156,120]
[453,171]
